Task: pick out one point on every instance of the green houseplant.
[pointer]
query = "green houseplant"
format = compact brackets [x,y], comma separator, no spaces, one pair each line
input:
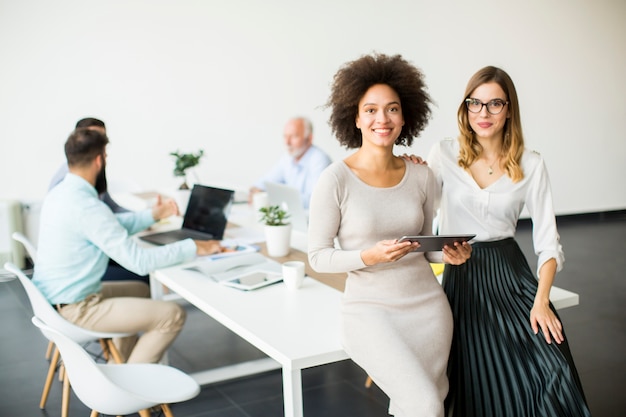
[184,161]
[274,216]
[277,230]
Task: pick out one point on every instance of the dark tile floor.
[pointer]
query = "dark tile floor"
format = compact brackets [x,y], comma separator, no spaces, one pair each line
[595,265]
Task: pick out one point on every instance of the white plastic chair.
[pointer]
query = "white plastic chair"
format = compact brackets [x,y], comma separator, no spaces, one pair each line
[30,248]
[120,389]
[47,314]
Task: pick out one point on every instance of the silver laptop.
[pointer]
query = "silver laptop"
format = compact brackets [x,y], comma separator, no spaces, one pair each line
[290,199]
[205,218]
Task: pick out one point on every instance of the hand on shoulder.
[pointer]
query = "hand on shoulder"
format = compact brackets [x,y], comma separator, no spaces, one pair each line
[414,158]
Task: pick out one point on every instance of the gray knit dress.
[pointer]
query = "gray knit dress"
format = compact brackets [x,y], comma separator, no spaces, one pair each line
[395,319]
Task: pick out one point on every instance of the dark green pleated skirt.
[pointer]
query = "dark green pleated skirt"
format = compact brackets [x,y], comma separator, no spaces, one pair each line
[498,367]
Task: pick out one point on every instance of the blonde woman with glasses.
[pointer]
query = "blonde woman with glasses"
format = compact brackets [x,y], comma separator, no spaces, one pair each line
[510,355]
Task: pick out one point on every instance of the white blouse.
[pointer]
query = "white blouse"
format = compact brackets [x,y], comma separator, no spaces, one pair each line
[492,212]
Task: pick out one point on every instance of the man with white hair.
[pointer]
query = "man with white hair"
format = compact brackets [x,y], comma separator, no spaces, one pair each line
[303,163]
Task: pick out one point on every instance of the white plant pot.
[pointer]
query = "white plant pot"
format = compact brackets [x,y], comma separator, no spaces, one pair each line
[278,240]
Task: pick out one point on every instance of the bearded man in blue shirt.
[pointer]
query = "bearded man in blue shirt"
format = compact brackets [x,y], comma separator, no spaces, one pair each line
[79,233]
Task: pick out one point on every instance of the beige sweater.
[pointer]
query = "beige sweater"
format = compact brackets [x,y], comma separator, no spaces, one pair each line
[396,321]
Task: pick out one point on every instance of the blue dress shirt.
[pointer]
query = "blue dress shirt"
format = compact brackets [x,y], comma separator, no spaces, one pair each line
[302,174]
[79,233]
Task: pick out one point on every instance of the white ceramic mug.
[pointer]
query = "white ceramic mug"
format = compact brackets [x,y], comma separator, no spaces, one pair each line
[293,274]
[259,199]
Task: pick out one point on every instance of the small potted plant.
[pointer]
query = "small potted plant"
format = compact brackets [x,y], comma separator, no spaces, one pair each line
[277,230]
[184,161]
[274,216]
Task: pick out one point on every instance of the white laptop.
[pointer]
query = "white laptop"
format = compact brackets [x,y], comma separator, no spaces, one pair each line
[290,199]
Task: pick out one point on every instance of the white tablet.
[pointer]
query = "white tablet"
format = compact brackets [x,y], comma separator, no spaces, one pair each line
[435,243]
[252,280]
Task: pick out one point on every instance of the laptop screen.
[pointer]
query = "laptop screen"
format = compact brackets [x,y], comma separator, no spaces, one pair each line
[208,210]
[288,198]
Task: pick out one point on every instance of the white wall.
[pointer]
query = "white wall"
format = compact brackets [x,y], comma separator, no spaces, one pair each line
[224,76]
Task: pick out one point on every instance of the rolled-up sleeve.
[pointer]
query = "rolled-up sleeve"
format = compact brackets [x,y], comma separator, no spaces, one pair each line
[546,238]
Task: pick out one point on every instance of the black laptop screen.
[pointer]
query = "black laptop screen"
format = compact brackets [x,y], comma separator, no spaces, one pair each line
[208,210]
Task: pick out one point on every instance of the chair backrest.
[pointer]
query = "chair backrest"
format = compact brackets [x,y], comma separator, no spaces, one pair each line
[46,313]
[90,384]
[28,245]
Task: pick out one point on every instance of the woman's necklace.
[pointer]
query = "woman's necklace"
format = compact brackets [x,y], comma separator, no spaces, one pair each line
[490,170]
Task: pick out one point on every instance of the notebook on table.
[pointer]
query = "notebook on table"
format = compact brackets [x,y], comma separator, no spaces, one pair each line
[205,217]
[245,272]
[289,199]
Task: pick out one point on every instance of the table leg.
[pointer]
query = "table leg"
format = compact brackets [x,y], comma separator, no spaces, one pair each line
[292,392]
[156,288]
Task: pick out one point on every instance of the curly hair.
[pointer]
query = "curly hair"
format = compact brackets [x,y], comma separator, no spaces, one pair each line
[353,80]
[513,141]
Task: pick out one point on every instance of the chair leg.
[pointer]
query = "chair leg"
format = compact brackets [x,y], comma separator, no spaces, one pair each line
[166,410]
[368,382]
[145,413]
[61,371]
[94,413]
[105,349]
[49,350]
[112,350]
[65,401]
[51,371]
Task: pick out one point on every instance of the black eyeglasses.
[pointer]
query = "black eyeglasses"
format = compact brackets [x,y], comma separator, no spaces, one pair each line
[493,107]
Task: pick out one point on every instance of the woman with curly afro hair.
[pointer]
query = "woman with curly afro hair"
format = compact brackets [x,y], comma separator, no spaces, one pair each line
[396,322]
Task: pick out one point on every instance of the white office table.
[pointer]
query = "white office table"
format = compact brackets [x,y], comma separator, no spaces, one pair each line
[295,329]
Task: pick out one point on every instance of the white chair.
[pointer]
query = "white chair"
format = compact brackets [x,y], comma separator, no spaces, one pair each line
[47,314]
[120,389]
[30,248]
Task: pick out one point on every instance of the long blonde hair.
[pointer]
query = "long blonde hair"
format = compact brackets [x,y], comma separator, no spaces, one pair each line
[513,141]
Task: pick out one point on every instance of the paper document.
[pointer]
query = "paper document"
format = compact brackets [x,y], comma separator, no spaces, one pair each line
[231,267]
